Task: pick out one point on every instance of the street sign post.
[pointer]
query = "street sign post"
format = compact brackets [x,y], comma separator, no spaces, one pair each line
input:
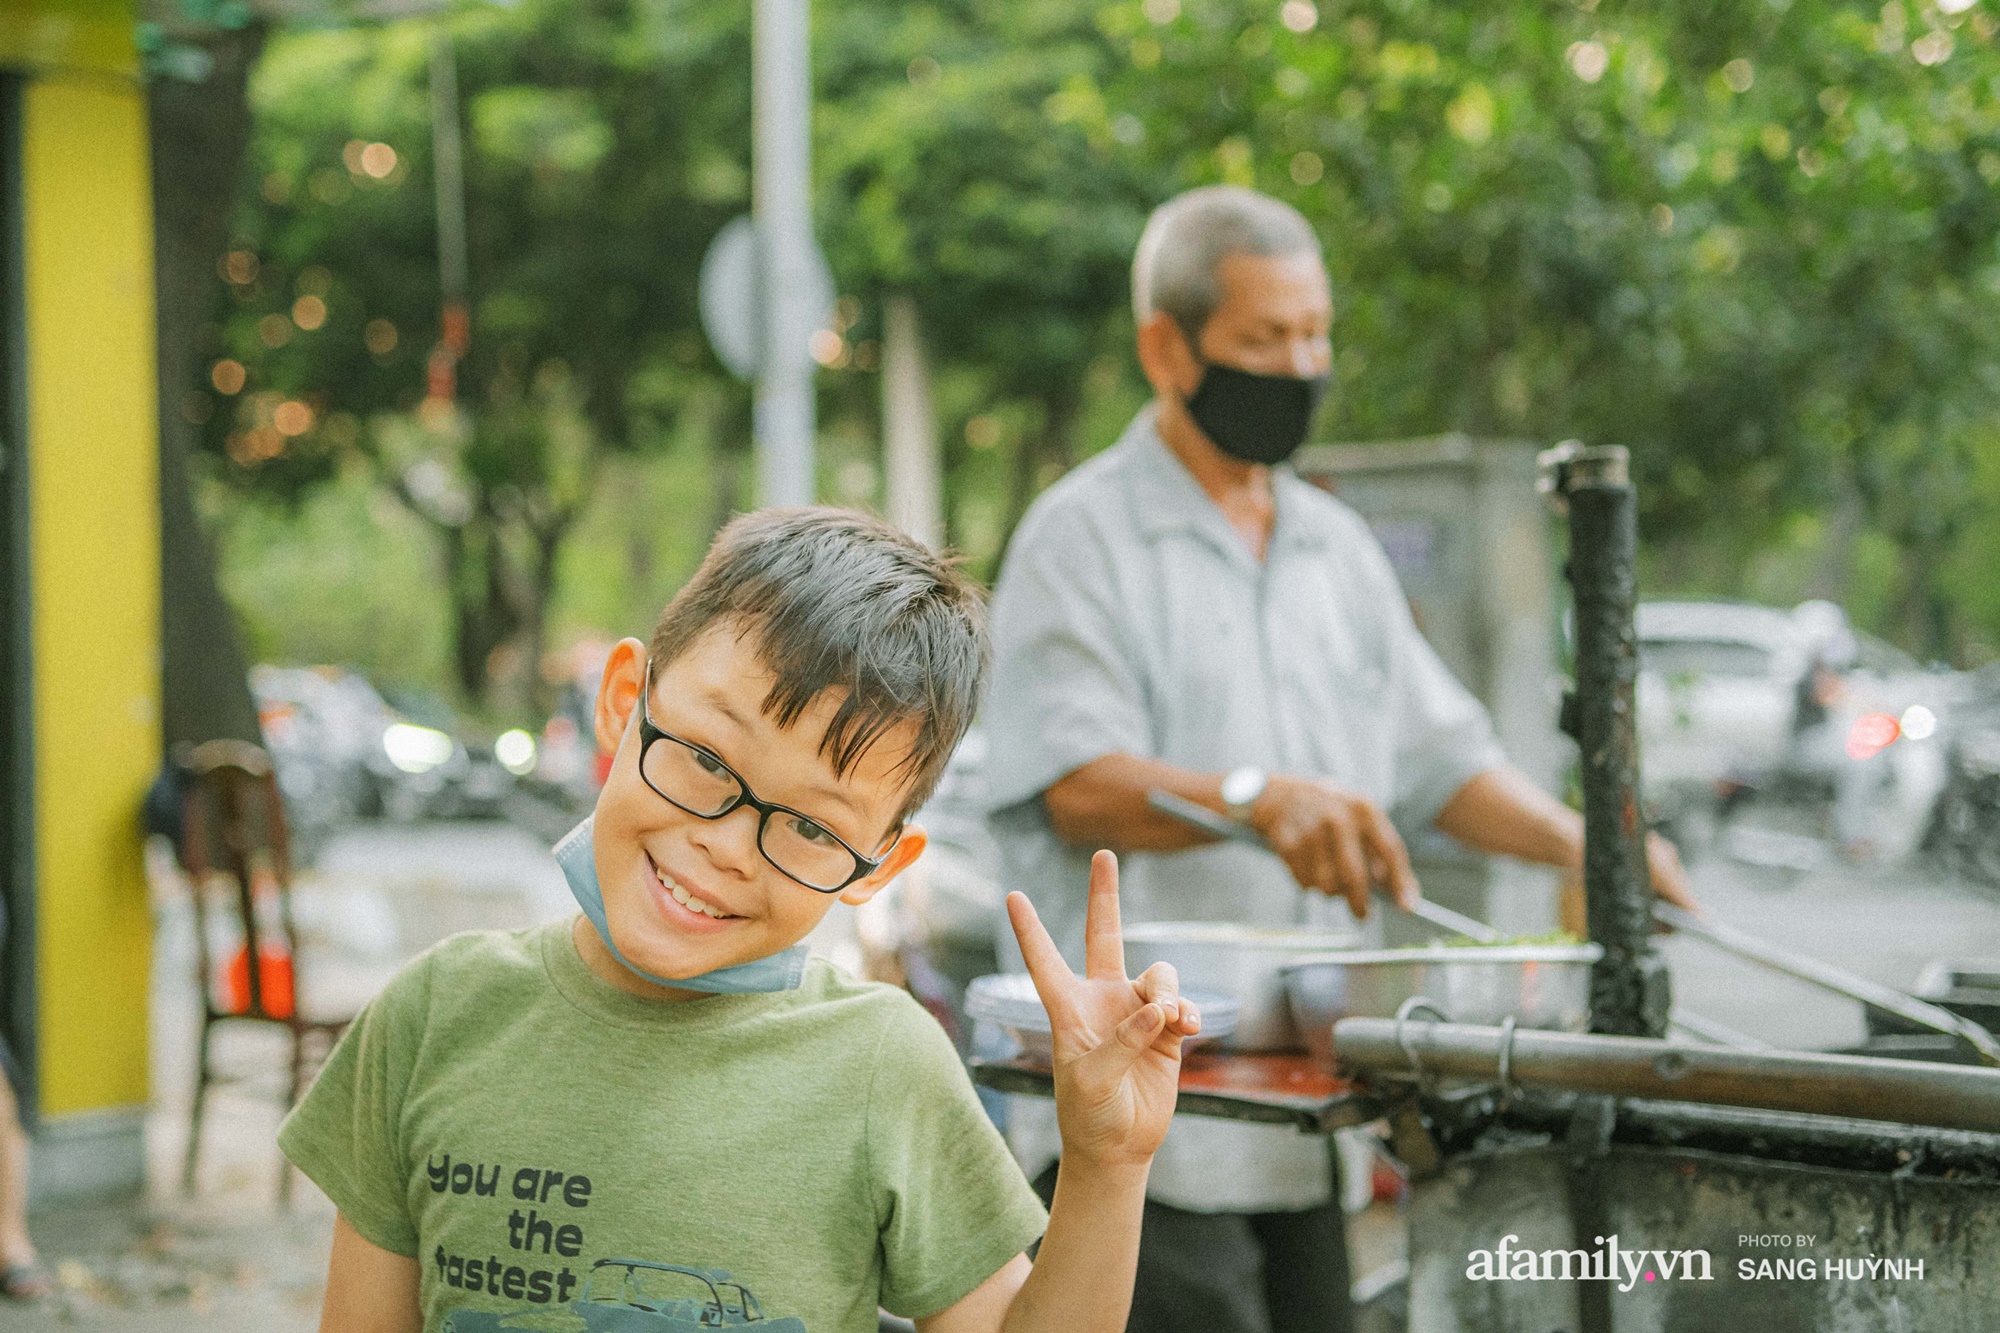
[733,302]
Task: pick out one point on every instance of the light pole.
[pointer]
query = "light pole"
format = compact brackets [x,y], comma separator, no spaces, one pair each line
[781,201]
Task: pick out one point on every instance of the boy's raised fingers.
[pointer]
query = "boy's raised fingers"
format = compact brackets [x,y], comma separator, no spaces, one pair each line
[1159,984]
[1103,939]
[1139,1030]
[1046,967]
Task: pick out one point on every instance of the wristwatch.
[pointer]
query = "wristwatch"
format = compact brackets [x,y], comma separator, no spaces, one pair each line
[1240,789]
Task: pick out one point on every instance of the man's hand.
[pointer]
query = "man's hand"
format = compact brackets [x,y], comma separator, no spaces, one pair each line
[1663,866]
[1117,1040]
[1334,841]
[1663,862]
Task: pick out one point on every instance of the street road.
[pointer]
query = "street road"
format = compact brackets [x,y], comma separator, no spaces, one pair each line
[1884,922]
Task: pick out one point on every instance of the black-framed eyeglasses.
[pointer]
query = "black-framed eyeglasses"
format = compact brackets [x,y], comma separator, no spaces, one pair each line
[694,779]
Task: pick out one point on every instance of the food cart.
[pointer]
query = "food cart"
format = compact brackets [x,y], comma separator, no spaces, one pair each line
[1619,1179]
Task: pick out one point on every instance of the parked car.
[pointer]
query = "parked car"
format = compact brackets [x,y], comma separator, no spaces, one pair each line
[1964,831]
[322,726]
[1715,692]
[344,752]
[425,768]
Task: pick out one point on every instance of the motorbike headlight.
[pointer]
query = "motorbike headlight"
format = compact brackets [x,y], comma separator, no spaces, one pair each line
[1919,723]
[415,749]
[516,752]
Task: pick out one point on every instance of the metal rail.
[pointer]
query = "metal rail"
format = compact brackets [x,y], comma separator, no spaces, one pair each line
[1836,979]
[1855,1087]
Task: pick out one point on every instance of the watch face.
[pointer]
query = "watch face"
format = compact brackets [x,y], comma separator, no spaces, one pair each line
[1243,785]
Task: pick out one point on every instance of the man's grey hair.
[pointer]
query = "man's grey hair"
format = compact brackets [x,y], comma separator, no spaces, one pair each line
[834,599]
[1189,236]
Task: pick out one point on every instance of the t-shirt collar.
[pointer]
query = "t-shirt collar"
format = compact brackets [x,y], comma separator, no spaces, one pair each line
[599,999]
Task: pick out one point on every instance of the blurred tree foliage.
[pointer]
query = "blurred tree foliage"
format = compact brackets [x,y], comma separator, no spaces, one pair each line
[1758,242]
[947,171]
[603,146]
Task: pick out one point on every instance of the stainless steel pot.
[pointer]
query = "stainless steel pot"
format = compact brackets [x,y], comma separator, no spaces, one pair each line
[1540,986]
[1246,962]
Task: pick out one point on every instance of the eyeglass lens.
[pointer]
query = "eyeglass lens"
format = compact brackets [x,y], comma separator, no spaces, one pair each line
[700,785]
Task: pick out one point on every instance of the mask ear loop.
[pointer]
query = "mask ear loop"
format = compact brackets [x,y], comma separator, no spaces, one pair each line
[1403,1012]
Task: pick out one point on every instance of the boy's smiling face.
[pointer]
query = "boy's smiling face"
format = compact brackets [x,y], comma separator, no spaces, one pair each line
[651,854]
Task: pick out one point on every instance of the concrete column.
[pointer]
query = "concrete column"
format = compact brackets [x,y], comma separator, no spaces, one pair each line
[909,426]
[86,322]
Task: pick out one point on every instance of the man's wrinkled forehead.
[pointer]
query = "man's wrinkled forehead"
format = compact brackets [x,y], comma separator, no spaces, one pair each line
[1288,289]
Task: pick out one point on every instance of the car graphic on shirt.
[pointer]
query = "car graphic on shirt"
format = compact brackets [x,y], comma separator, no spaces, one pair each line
[636,1296]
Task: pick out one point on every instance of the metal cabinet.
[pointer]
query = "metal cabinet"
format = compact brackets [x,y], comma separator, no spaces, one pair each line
[1470,538]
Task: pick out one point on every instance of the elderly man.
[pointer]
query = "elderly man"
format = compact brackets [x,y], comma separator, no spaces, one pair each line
[1180,613]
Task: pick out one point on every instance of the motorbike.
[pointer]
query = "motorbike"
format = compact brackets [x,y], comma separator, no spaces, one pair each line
[1963,834]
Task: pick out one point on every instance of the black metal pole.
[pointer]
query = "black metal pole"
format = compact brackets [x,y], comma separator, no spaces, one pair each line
[1630,992]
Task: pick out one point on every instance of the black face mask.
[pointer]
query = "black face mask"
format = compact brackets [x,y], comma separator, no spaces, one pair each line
[1257,418]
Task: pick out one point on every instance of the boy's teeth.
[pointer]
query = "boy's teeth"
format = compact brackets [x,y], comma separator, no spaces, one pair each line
[686,899]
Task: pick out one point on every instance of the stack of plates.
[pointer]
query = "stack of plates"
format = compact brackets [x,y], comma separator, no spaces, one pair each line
[1008,1000]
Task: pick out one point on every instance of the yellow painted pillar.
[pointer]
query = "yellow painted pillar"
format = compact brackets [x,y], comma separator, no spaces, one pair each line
[87,355]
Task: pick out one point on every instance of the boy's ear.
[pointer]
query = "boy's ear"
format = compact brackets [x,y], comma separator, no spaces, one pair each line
[907,849]
[618,692]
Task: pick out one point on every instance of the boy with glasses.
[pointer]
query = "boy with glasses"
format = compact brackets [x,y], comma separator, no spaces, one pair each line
[662,1113]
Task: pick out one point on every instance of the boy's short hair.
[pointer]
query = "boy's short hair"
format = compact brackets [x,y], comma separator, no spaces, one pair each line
[837,599]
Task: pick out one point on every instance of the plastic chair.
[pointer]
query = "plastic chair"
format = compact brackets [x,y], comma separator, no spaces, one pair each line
[233,831]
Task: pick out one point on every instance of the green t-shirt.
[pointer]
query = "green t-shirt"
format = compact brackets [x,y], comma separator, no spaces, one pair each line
[558,1154]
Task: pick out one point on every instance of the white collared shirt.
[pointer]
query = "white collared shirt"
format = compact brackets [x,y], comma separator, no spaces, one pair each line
[1131,618]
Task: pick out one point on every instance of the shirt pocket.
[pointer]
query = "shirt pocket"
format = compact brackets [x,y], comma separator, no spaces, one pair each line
[1207,657]
[1344,658]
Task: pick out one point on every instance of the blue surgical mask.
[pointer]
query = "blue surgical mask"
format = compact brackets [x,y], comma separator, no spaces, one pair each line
[781,971]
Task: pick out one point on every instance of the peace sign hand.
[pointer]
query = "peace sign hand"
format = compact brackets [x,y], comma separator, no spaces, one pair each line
[1117,1040]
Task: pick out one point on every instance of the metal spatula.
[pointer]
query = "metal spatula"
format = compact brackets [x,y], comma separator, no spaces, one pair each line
[1222,826]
